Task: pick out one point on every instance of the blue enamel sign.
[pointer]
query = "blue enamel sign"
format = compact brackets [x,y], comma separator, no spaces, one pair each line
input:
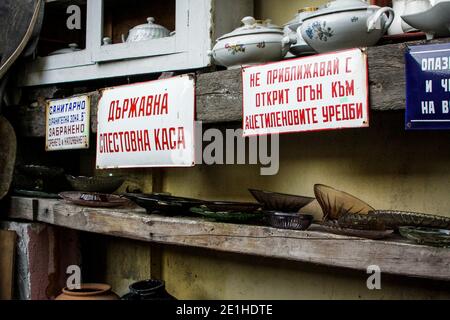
[428,87]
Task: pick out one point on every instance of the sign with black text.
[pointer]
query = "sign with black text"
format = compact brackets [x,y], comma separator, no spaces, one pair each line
[428,87]
[326,91]
[67,123]
[149,124]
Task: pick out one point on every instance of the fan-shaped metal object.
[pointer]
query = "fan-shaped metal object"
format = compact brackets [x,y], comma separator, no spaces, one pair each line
[336,203]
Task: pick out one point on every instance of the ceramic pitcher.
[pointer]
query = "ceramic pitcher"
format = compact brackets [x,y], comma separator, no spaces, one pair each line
[399,9]
[413,7]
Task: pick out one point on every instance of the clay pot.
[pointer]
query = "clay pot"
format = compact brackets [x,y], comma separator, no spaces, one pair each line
[89,291]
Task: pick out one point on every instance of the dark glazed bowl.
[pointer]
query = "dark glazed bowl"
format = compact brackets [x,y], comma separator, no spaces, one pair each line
[294,221]
[95,184]
[280,201]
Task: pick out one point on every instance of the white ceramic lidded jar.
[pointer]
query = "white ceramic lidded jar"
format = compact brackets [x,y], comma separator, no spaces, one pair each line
[146,31]
[253,43]
[344,24]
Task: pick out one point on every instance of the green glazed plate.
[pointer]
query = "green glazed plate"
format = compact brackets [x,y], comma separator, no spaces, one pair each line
[428,236]
[226,216]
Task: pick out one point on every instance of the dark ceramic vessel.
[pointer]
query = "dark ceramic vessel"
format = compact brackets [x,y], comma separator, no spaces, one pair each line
[289,220]
[150,289]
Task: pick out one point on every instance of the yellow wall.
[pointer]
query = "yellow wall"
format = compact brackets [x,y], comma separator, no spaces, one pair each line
[281,11]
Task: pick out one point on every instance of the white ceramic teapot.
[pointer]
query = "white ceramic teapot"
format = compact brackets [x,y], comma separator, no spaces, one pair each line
[346,24]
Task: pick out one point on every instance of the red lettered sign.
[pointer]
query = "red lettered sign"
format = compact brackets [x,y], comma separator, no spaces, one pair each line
[327,91]
[149,124]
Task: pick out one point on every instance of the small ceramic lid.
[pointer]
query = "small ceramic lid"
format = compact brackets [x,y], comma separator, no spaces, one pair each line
[150,25]
[339,6]
[72,48]
[253,26]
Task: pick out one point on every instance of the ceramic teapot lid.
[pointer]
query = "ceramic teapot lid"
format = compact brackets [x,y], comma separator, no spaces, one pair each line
[150,25]
[340,6]
[253,26]
[72,48]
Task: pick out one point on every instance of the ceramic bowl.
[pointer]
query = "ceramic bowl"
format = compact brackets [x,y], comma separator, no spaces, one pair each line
[289,220]
[434,21]
[282,202]
[336,203]
[102,184]
[254,43]
[346,24]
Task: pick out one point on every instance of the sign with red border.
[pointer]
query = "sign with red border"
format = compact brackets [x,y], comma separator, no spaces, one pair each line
[149,124]
[321,92]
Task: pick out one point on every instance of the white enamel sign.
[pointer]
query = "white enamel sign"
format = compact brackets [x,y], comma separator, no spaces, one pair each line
[67,123]
[149,124]
[327,91]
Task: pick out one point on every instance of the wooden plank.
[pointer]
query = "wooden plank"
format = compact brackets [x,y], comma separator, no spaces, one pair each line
[306,246]
[7,253]
[219,94]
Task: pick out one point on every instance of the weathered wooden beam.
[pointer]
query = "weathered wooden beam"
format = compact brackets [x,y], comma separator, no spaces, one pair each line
[219,94]
[306,246]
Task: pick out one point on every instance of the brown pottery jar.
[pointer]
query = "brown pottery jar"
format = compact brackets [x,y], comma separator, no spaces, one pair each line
[89,291]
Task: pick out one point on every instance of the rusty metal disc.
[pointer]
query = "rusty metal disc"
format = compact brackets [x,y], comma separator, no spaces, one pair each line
[8,146]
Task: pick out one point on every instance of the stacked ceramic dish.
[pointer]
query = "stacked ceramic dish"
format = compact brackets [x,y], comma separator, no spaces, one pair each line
[164,204]
[93,199]
[281,209]
[229,211]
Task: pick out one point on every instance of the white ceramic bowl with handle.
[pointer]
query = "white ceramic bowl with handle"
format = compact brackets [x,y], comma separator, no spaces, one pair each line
[253,43]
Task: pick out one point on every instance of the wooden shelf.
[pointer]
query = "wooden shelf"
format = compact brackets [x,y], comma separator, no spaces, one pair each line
[393,257]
